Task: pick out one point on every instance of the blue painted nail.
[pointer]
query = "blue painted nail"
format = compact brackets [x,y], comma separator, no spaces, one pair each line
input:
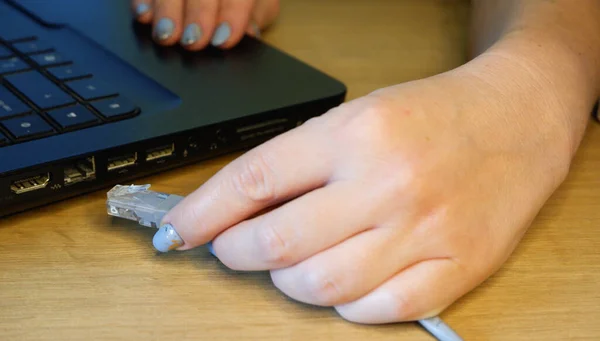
[439,329]
[164,28]
[221,35]
[256,30]
[167,239]
[142,9]
[211,249]
[191,34]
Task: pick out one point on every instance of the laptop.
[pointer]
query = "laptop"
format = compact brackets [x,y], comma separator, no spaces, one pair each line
[88,100]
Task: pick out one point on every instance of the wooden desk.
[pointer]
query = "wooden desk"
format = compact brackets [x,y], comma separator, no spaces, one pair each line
[67,272]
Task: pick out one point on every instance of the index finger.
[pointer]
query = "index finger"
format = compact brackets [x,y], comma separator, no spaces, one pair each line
[285,167]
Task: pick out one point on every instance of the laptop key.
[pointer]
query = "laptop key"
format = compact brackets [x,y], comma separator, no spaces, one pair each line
[27,126]
[91,88]
[33,46]
[39,89]
[67,72]
[115,108]
[4,52]
[73,117]
[13,64]
[10,105]
[48,58]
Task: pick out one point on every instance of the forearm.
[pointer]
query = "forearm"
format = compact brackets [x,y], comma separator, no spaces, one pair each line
[553,44]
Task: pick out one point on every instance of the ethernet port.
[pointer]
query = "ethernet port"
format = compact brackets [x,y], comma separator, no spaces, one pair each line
[79,171]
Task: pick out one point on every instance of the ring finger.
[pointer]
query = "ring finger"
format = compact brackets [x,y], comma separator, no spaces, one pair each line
[233,20]
[353,268]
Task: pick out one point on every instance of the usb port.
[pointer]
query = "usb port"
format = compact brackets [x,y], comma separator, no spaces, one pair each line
[79,171]
[160,153]
[31,184]
[120,162]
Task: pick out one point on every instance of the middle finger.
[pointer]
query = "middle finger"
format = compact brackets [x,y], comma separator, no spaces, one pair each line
[199,23]
[295,231]
[355,267]
[167,21]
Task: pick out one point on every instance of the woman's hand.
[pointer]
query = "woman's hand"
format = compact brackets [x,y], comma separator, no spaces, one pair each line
[197,23]
[392,206]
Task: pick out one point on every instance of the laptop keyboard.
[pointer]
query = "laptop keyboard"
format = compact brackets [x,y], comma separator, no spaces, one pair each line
[43,93]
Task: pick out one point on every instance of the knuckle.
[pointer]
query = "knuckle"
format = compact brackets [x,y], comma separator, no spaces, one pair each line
[323,288]
[275,249]
[404,309]
[370,123]
[375,121]
[255,181]
[314,122]
[407,180]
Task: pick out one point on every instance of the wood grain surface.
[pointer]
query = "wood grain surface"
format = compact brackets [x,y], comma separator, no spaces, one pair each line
[69,272]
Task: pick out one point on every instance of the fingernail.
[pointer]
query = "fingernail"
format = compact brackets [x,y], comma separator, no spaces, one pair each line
[141,9]
[255,29]
[191,34]
[439,329]
[211,249]
[164,28]
[221,35]
[167,239]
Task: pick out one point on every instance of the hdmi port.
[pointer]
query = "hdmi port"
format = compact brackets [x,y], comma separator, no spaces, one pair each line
[117,163]
[160,153]
[30,184]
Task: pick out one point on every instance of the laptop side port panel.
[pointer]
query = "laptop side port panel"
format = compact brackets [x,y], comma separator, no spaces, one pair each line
[228,137]
[80,171]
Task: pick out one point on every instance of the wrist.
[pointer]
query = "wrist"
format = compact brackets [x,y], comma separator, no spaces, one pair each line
[546,85]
